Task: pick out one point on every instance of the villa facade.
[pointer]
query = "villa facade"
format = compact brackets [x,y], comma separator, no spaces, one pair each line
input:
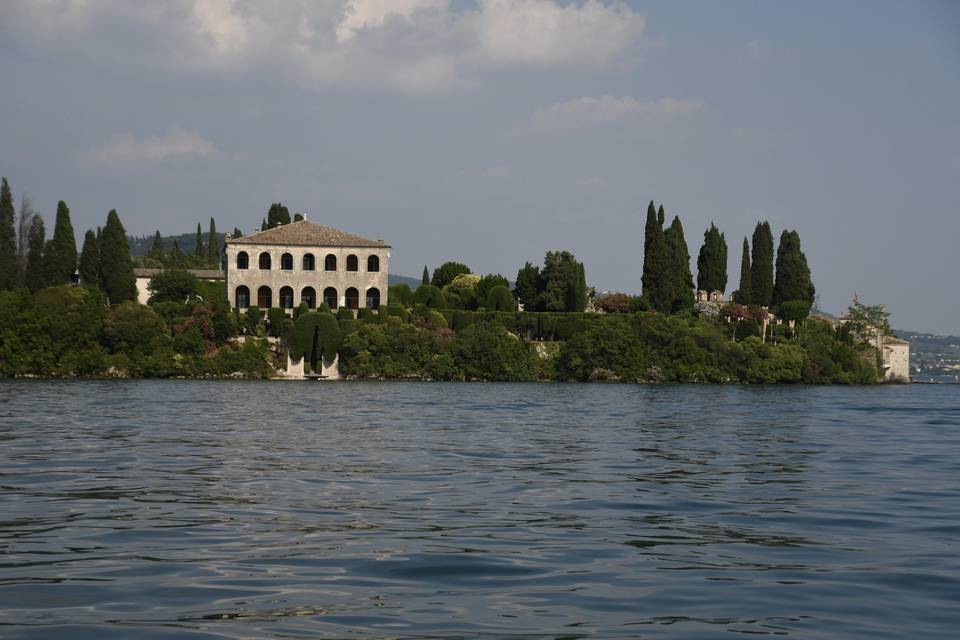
[306,262]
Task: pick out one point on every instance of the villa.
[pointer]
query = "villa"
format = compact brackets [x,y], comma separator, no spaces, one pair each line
[306,262]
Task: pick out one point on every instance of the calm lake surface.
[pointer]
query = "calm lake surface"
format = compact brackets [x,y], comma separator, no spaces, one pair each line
[176,509]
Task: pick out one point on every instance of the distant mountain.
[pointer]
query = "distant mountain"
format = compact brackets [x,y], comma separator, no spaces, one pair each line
[393,279]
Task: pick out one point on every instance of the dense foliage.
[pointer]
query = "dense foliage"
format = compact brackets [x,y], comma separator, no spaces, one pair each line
[712,261]
[761,266]
[8,238]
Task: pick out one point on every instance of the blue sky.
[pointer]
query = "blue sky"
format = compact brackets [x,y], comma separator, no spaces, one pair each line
[492,131]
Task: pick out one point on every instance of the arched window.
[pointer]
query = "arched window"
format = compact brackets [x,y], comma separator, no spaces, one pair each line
[309,297]
[351,298]
[264,297]
[373,263]
[330,262]
[352,263]
[286,298]
[243,260]
[373,298]
[242,297]
[286,262]
[330,297]
[309,264]
[265,261]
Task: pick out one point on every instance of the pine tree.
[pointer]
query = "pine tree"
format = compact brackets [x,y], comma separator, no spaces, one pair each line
[745,292]
[426,276]
[156,251]
[761,269]
[198,250]
[8,238]
[35,278]
[679,277]
[90,260]
[61,259]
[116,265]
[213,242]
[793,282]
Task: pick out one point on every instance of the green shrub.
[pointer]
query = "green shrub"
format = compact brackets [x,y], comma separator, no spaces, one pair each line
[174,285]
[345,313]
[430,296]
[400,294]
[315,336]
[500,299]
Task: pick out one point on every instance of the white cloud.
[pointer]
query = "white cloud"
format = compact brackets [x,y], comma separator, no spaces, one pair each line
[400,44]
[126,150]
[589,112]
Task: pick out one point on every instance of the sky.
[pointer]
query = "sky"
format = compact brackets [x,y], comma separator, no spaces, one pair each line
[491,131]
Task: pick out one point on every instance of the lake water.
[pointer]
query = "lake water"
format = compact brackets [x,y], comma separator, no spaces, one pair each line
[176,509]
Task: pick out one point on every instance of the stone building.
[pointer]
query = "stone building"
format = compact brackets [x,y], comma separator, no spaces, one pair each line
[143,277]
[896,359]
[306,262]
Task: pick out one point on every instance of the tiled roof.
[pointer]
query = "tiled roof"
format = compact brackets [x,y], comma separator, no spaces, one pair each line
[203,274]
[307,233]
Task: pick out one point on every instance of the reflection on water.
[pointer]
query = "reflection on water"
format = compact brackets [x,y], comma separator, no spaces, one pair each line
[230,509]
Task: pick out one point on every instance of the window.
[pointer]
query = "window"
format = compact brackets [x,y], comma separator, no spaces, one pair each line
[330,297]
[286,262]
[264,297]
[309,264]
[373,298]
[373,263]
[265,261]
[286,298]
[330,262]
[309,297]
[243,261]
[352,264]
[352,298]
[242,297]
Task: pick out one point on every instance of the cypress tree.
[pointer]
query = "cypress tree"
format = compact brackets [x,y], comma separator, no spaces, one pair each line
[61,259]
[176,256]
[156,251]
[35,277]
[652,235]
[116,265]
[8,238]
[90,260]
[761,269]
[745,293]
[277,215]
[679,277]
[213,243]
[793,282]
[237,233]
[426,276]
[198,250]
[712,261]
[263,225]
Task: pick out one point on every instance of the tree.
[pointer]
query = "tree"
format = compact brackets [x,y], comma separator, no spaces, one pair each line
[679,276]
[176,255]
[745,292]
[529,287]
[793,283]
[866,322]
[761,269]
[8,239]
[488,282]
[297,217]
[426,276]
[237,233]
[564,286]
[116,265]
[35,277]
[431,296]
[213,242]
[23,237]
[61,259]
[445,273]
[712,261]
[277,215]
[198,249]
[172,285]
[90,260]
[656,279]
[156,251]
